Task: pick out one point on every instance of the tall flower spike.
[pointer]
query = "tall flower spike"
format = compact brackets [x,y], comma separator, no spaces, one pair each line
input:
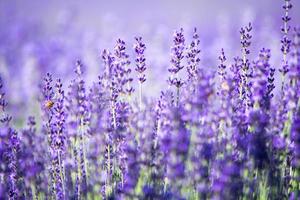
[177,56]
[245,44]
[3,102]
[82,101]
[48,94]
[123,69]
[222,66]
[261,92]
[111,75]
[285,41]
[4,118]
[140,48]
[12,158]
[79,115]
[59,140]
[84,118]
[47,102]
[54,120]
[236,77]
[59,113]
[193,59]
[140,60]
[223,92]
[222,73]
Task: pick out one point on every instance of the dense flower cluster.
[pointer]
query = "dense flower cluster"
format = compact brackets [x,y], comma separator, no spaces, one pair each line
[224,134]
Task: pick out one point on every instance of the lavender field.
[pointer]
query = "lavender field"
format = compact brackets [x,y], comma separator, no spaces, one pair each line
[162,100]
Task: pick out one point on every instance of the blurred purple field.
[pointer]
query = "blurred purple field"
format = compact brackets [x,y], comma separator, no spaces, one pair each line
[150,99]
[55,34]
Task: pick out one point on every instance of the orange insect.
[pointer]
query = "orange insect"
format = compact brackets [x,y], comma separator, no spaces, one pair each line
[49,104]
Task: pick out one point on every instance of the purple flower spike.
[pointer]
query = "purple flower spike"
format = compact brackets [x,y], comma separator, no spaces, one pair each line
[224,87]
[3,102]
[263,80]
[246,36]
[222,66]
[111,75]
[193,59]
[177,56]
[59,141]
[123,71]
[140,64]
[285,41]
[59,121]
[140,48]
[13,165]
[79,120]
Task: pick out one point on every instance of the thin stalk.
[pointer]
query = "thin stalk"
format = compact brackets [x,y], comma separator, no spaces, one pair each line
[33,191]
[177,99]
[61,173]
[140,95]
[83,146]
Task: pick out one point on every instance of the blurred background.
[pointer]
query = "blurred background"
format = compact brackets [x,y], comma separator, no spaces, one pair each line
[49,36]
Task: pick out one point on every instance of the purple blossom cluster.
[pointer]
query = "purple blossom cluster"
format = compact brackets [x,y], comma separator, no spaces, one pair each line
[229,133]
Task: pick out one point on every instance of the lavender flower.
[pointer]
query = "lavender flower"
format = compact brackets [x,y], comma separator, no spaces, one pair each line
[78,107]
[261,89]
[13,165]
[177,56]
[285,41]
[246,75]
[140,60]
[219,131]
[3,102]
[139,48]
[223,88]
[59,121]
[122,68]
[192,55]
[59,141]
[177,53]
[111,75]
[47,109]
[54,127]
